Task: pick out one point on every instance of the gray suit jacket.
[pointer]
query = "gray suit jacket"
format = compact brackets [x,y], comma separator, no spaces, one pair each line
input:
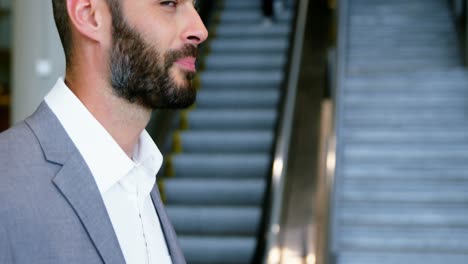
[51,210]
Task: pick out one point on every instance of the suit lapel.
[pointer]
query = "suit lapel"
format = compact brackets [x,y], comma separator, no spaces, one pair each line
[169,233]
[76,183]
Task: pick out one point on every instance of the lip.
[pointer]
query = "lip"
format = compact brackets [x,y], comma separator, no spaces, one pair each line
[187,63]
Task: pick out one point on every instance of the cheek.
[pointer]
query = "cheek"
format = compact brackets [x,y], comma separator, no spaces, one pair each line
[161,34]
[107,32]
[107,44]
[163,41]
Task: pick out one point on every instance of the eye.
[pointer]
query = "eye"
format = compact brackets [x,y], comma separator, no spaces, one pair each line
[169,3]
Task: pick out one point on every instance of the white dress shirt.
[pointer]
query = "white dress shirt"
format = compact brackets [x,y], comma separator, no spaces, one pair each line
[124,183]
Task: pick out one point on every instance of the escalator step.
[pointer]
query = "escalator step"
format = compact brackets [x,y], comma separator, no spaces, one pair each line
[214,192]
[412,152]
[398,20]
[226,141]
[243,17]
[410,40]
[232,119]
[435,53]
[261,99]
[252,45]
[402,65]
[414,79]
[422,103]
[416,239]
[239,31]
[248,61]
[249,5]
[395,118]
[410,185]
[212,221]
[421,49]
[222,250]
[258,78]
[356,257]
[426,197]
[408,136]
[392,61]
[388,172]
[432,52]
[422,217]
[429,27]
[218,166]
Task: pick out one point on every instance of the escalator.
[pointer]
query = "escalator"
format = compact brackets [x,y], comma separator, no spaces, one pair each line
[401,181]
[218,171]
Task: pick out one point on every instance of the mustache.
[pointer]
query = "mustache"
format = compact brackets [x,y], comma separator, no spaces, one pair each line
[186,51]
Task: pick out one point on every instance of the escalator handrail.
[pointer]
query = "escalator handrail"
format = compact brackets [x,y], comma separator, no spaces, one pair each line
[334,155]
[281,153]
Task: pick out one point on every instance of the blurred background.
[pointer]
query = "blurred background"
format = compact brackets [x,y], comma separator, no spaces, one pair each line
[325,131]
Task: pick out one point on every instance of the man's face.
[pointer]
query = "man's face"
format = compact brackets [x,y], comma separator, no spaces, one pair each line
[154,47]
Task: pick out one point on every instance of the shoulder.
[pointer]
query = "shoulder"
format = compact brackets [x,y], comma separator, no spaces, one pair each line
[20,153]
[21,158]
[22,143]
[18,142]
[24,169]
[12,134]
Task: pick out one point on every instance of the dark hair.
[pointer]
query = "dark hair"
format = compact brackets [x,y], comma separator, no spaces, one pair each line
[63,23]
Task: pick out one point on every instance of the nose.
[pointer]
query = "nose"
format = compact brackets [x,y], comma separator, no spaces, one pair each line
[196,32]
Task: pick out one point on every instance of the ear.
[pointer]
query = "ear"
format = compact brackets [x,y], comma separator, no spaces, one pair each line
[88,18]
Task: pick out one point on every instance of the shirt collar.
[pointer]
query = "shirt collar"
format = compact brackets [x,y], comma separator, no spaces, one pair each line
[106,160]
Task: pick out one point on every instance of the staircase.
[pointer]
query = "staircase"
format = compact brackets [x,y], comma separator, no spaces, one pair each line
[217,173]
[401,192]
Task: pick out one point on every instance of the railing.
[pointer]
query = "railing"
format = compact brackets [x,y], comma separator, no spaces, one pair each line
[326,168]
[280,157]
[329,182]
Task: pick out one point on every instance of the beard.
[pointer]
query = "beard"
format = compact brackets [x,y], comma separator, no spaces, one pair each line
[141,75]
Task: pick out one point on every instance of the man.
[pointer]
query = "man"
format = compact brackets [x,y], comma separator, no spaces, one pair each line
[77,178]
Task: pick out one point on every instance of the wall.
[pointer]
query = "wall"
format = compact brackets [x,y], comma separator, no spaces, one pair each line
[38,58]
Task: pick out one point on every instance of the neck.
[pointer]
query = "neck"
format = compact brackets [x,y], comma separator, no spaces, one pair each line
[123,120]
